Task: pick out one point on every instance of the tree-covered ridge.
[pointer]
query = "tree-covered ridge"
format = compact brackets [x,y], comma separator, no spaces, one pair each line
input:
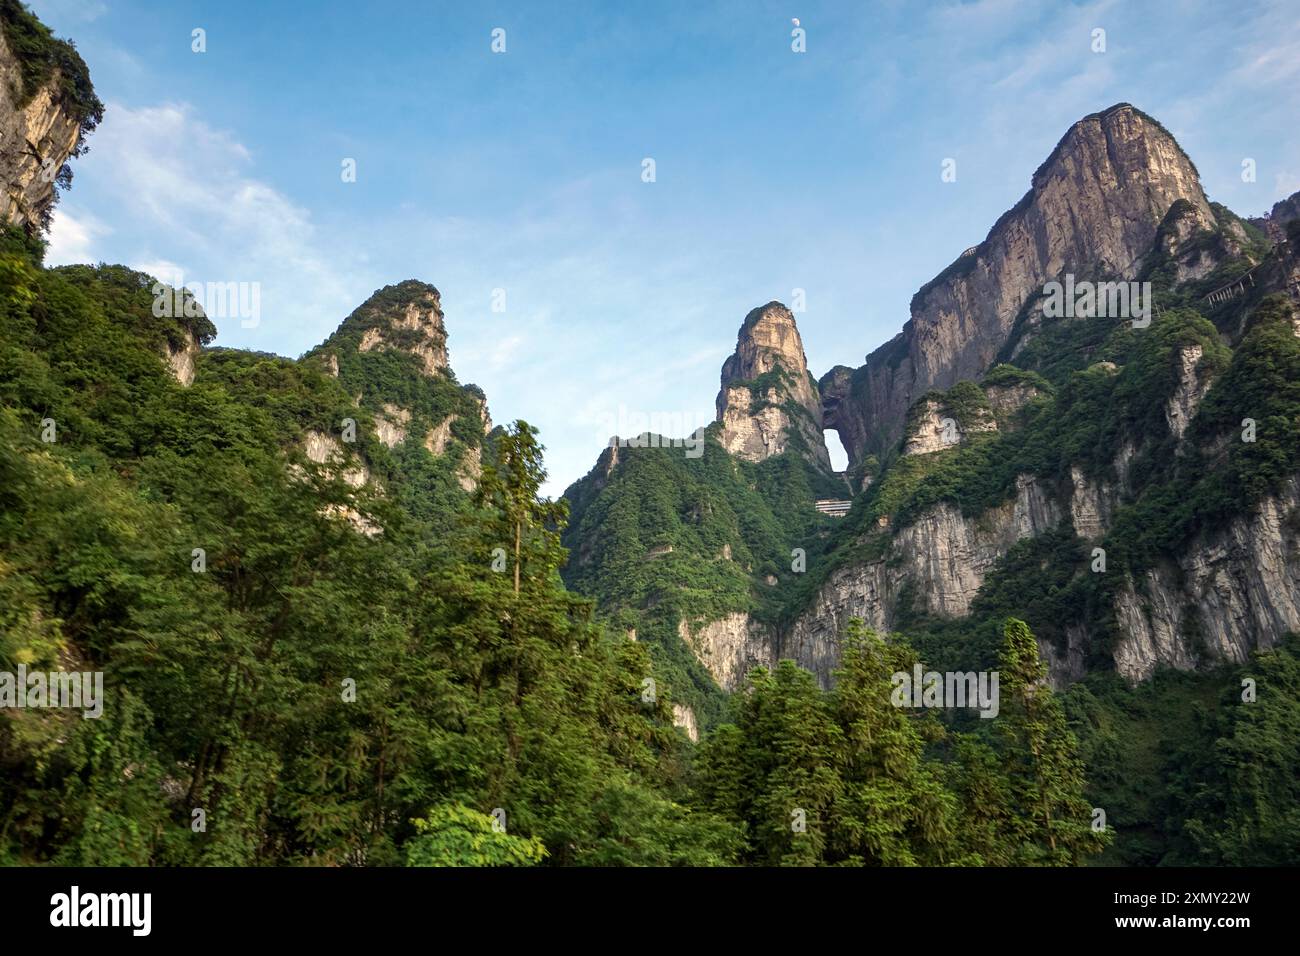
[391,383]
[283,689]
[279,687]
[657,537]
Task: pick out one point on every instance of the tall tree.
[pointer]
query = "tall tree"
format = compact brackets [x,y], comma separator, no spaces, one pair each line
[510,489]
[896,808]
[1053,821]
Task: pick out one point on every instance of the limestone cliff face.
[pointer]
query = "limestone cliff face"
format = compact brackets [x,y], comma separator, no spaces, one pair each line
[180,360]
[729,647]
[836,391]
[684,717]
[941,559]
[1231,592]
[1192,386]
[1279,273]
[40,130]
[1093,210]
[768,401]
[326,450]
[471,468]
[1227,593]
[391,424]
[1180,238]
[933,428]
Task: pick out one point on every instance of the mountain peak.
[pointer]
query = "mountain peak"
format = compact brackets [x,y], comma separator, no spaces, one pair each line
[406,317]
[1138,150]
[768,402]
[1094,208]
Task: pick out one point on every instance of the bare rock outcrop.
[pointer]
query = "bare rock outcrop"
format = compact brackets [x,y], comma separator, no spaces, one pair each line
[1192,387]
[1094,209]
[40,130]
[407,319]
[684,717]
[325,449]
[729,647]
[415,327]
[934,427]
[940,560]
[391,424]
[1231,592]
[768,401]
[180,359]
[1006,400]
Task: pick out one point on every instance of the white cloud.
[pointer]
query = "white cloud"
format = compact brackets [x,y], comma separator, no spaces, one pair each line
[1285,183]
[180,190]
[72,237]
[169,272]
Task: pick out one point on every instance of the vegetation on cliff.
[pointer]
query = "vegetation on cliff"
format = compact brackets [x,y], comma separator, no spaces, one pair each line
[43,57]
[312,690]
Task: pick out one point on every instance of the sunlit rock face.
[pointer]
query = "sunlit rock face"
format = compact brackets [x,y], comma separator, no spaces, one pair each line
[768,401]
[36,139]
[1093,210]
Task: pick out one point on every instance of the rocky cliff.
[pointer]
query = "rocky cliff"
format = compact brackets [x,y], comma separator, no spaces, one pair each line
[939,561]
[391,355]
[47,108]
[1234,590]
[768,401]
[405,318]
[1093,210]
[1082,473]
[1283,213]
[1133,519]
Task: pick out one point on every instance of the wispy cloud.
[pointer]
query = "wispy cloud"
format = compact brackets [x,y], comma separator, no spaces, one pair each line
[73,236]
[180,191]
[776,170]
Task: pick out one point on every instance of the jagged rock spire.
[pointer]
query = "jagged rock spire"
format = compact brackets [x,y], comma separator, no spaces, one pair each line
[768,402]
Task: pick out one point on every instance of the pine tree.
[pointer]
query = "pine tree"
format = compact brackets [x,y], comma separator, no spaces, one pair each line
[1052,821]
[895,809]
[508,490]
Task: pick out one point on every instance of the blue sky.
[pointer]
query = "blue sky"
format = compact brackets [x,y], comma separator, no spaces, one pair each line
[522,171]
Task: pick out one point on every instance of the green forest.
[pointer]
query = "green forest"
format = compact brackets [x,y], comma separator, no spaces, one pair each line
[321,645]
[1187,771]
[307,694]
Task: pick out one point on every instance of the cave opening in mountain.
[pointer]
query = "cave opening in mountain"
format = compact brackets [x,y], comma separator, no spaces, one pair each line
[839,455]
